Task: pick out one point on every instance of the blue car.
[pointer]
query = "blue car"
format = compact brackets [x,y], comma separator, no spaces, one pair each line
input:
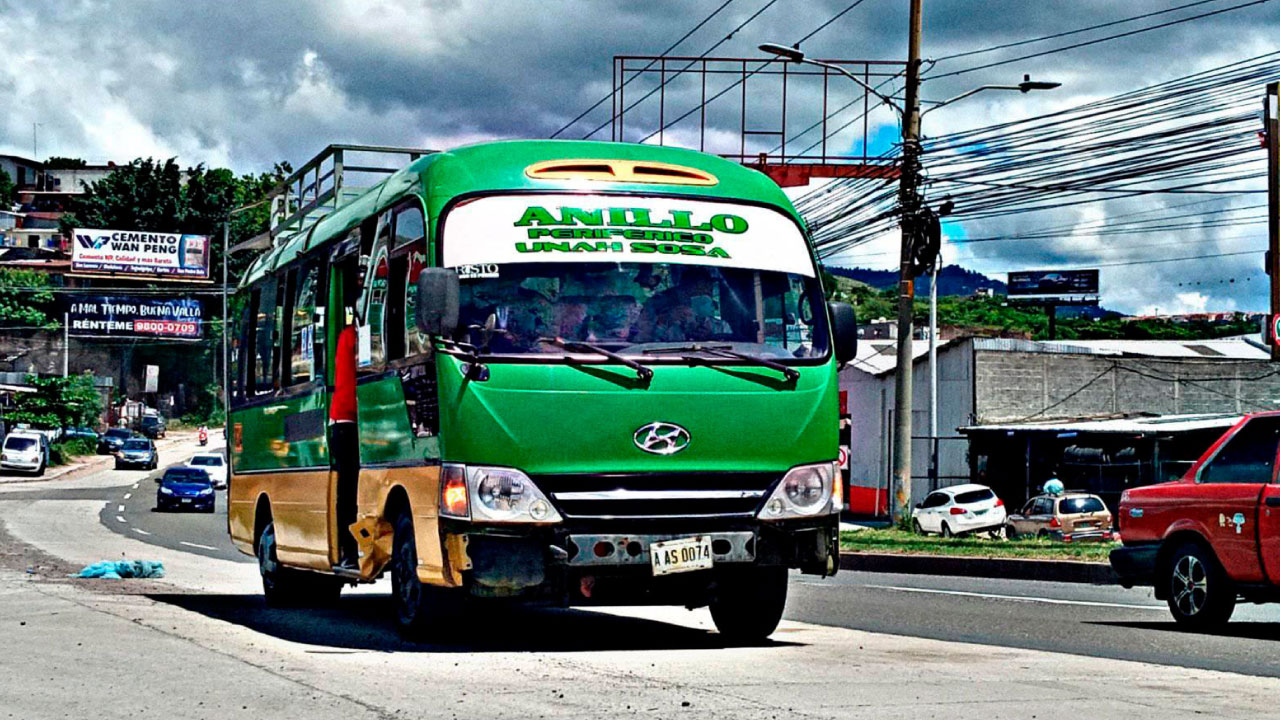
[185,488]
[137,453]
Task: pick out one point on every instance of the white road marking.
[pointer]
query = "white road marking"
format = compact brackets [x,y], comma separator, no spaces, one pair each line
[120,519]
[119,508]
[135,485]
[139,531]
[197,545]
[1018,598]
[128,495]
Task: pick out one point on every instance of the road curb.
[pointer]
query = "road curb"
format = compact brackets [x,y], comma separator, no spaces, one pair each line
[1070,571]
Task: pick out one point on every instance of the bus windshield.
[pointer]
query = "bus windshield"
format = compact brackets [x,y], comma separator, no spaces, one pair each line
[633,275]
[632,307]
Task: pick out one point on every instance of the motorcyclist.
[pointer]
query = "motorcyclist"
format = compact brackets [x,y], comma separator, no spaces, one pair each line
[204,435]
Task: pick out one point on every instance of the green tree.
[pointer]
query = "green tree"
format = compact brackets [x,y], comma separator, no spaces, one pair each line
[159,196]
[151,195]
[57,402]
[64,163]
[8,191]
[26,300]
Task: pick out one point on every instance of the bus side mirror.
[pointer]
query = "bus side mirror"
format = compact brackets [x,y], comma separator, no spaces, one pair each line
[844,331]
[437,308]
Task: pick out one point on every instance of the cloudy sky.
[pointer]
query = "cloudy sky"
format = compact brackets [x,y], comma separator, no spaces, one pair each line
[246,84]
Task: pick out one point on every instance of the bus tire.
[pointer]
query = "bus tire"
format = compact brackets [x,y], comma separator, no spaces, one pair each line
[748,605]
[286,587]
[1201,596]
[421,609]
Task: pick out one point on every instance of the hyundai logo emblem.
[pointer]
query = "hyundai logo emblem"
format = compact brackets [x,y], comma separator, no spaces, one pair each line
[661,438]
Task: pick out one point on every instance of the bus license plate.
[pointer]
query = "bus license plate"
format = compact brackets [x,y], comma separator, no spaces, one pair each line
[683,555]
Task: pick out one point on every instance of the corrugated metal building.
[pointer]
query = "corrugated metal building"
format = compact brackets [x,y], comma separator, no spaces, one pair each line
[985,381]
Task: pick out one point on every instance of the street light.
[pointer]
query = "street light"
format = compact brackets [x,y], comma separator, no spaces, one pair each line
[1024,87]
[912,212]
[796,55]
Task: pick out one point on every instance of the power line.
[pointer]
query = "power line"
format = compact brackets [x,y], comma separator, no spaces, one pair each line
[1055,36]
[681,71]
[1099,40]
[736,83]
[637,74]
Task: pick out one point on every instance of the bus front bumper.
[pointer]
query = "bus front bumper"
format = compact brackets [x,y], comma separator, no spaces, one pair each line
[602,565]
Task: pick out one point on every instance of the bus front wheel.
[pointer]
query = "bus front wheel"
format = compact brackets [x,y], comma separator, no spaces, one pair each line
[747,606]
[420,608]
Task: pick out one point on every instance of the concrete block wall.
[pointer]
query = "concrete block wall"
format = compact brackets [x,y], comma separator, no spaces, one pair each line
[1016,385]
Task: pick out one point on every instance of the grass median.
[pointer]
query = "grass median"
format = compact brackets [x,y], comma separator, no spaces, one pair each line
[907,543]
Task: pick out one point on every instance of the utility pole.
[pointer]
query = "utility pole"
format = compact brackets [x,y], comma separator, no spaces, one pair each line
[933,375]
[226,323]
[909,203]
[66,343]
[1272,106]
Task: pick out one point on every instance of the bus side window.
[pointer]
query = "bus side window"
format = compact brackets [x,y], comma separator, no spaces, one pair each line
[303,283]
[410,233]
[373,299]
[240,348]
[395,306]
[264,326]
[416,342]
[410,226]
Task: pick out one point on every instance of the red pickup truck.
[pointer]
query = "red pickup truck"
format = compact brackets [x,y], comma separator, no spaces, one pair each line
[1212,537]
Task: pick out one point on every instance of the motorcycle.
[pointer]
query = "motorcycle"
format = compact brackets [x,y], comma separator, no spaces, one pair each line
[204,437]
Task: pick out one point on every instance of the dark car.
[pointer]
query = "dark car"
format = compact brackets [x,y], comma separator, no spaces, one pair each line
[185,488]
[137,453]
[152,426]
[111,441]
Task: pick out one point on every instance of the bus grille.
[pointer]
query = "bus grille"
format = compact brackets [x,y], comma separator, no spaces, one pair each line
[657,495]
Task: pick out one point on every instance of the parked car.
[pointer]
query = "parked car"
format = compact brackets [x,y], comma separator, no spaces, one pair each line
[1212,537]
[80,433]
[111,440]
[958,510]
[214,465]
[153,426]
[138,453]
[1070,516]
[183,488]
[25,450]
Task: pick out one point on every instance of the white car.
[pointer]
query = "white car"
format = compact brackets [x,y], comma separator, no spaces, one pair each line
[958,510]
[213,464]
[25,450]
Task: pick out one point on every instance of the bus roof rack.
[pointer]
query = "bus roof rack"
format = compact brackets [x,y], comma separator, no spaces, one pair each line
[326,182]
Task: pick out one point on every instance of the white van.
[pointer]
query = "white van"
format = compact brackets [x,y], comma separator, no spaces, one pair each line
[25,450]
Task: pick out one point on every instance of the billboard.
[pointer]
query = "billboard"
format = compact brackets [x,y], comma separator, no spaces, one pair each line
[140,253]
[1066,285]
[135,317]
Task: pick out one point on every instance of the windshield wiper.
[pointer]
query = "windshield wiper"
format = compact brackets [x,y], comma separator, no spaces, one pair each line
[644,373]
[789,373]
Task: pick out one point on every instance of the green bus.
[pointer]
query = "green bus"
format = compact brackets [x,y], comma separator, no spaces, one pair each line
[585,374]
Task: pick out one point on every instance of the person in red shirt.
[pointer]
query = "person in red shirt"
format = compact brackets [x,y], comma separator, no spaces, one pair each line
[344,442]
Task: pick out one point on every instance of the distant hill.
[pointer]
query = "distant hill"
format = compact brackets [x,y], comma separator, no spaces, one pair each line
[952,280]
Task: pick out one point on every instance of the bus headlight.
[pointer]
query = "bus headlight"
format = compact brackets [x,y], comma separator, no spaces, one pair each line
[500,495]
[805,491]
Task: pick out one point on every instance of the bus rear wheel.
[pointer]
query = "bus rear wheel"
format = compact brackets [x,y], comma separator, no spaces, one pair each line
[286,587]
[748,605]
[421,609]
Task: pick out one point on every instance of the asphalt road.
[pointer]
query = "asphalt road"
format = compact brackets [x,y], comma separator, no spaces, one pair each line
[1089,620]
[131,510]
[207,619]
[1093,620]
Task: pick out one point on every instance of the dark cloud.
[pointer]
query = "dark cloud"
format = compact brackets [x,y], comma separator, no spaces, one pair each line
[247,83]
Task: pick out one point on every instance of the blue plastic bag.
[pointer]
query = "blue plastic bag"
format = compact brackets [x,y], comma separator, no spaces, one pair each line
[120,569]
